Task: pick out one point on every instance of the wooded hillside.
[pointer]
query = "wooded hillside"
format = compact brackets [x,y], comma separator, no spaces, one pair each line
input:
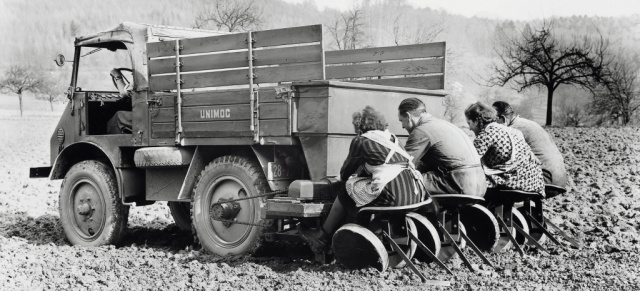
[34,31]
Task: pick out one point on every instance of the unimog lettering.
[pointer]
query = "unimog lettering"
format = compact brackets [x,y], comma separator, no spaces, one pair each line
[215,113]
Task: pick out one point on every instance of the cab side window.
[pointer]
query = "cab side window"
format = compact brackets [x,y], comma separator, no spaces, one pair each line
[104,74]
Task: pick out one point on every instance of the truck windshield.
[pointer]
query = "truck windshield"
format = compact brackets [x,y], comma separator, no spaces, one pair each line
[95,65]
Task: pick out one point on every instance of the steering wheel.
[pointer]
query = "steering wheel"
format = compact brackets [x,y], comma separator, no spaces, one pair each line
[124,79]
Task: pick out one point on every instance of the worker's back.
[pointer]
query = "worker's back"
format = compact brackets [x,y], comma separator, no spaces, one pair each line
[545,149]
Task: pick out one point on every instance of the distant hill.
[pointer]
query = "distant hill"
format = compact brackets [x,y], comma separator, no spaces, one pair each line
[34,31]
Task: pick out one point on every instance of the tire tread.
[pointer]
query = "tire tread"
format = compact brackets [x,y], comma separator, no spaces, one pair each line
[119,213]
[260,184]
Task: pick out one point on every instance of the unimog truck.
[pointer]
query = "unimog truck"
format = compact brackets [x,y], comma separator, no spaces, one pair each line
[243,134]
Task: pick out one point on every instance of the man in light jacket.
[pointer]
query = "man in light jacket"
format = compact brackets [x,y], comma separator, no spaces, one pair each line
[541,143]
[441,151]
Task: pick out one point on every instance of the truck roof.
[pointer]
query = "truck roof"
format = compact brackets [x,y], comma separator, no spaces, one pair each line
[130,32]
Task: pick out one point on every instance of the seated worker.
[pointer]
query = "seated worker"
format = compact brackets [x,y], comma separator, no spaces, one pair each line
[539,140]
[377,172]
[507,159]
[441,151]
[121,120]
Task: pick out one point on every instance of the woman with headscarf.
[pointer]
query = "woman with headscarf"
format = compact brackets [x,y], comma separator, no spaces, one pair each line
[508,161]
[377,172]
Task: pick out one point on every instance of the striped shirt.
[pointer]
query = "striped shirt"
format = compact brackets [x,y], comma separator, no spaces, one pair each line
[398,192]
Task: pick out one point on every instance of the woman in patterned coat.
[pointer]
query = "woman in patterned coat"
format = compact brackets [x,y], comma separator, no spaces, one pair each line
[507,159]
[377,172]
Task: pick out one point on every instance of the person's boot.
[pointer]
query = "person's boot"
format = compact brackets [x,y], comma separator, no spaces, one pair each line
[318,239]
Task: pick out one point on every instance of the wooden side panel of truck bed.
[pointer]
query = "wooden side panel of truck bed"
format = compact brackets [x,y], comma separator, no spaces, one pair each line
[224,113]
[217,74]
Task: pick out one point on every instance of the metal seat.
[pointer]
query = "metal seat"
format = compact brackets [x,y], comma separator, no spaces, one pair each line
[395,210]
[509,196]
[456,200]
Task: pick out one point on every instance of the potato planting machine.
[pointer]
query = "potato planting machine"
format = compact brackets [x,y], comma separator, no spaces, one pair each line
[242,135]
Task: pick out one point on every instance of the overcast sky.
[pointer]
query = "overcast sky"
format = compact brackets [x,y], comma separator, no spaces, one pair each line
[513,9]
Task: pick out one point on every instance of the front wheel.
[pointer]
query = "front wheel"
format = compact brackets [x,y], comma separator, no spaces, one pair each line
[90,212]
[229,228]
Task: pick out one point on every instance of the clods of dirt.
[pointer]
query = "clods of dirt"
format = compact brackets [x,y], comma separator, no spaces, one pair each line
[602,210]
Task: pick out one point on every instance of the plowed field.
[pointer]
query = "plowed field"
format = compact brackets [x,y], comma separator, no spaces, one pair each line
[603,210]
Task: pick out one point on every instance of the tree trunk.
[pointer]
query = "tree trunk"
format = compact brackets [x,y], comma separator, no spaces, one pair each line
[549,106]
[20,101]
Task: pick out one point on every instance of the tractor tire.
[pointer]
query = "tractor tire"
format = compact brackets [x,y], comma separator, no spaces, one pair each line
[91,213]
[229,177]
[181,213]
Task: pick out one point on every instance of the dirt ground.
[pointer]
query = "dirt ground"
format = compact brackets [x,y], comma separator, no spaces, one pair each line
[603,210]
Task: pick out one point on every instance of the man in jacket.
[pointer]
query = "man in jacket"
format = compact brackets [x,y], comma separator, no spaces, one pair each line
[441,151]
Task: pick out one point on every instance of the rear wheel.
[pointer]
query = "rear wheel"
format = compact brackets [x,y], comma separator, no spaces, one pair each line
[448,251]
[427,234]
[408,248]
[519,220]
[229,178]
[90,210]
[181,213]
[535,232]
[504,242]
[481,226]
[357,247]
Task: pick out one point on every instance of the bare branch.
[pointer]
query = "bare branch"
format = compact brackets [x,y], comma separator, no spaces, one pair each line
[618,95]
[230,15]
[348,29]
[536,58]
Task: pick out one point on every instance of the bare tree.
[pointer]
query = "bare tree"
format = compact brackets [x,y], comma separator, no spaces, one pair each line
[348,29]
[232,15]
[19,79]
[51,89]
[410,33]
[618,95]
[539,59]
[406,32]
